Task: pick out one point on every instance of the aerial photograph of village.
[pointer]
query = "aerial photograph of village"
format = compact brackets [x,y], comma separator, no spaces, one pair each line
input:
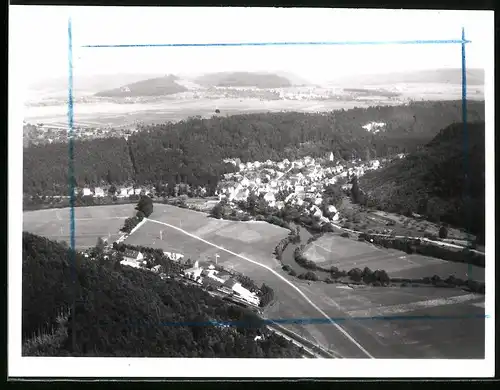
[263,209]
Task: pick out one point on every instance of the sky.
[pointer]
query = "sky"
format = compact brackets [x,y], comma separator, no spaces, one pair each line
[45,42]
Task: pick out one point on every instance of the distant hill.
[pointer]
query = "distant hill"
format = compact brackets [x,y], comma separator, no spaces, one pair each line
[445,76]
[158,86]
[243,79]
[432,181]
[124,312]
[93,83]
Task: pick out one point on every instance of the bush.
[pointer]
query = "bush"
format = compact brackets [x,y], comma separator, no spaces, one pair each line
[355,274]
[286,268]
[292,273]
[345,235]
[382,277]
[443,232]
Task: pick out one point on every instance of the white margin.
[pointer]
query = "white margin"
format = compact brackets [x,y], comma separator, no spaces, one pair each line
[265,368]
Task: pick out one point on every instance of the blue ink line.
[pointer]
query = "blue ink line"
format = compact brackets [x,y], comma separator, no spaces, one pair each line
[326,43]
[71,173]
[466,139]
[301,321]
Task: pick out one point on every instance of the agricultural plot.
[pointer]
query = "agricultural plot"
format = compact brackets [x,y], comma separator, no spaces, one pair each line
[422,322]
[345,254]
[90,223]
[289,306]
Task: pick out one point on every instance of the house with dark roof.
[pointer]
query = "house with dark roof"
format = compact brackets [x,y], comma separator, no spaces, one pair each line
[131,255]
[229,283]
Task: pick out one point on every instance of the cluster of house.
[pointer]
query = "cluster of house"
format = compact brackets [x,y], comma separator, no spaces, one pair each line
[221,281]
[271,177]
[205,276]
[100,192]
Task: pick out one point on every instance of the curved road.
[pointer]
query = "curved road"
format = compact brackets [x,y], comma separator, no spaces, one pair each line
[347,336]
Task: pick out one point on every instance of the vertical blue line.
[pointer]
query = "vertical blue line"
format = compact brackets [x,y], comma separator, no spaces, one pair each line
[466,140]
[71,177]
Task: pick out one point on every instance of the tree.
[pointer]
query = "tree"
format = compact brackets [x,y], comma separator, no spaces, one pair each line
[355,191]
[443,232]
[112,189]
[145,205]
[100,245]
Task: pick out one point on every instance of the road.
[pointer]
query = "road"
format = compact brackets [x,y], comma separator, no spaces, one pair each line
[347,345]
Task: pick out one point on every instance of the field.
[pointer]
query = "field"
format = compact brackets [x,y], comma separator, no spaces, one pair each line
[120,113]
[375,221]
[427,322]
[90,223]
[381,338]
[333,250]
[256,239]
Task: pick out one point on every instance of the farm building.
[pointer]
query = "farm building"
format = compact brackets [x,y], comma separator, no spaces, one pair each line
[174,256]
[131,255]
[99,192]
[87,192]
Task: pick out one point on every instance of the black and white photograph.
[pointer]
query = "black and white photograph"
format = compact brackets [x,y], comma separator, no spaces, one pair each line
[276,191]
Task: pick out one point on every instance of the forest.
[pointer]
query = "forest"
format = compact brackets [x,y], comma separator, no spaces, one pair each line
[122,311]
[192,151]
[444,181]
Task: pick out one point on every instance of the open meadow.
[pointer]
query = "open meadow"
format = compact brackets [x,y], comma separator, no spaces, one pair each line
[412,322]
[90,223]
[345,254]
[255,241]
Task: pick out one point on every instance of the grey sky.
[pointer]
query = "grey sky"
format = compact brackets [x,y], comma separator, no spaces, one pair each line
[45,42]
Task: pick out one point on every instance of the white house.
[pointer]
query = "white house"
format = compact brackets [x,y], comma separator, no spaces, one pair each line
[123,192]
[130,192]
[256,164]
[270,198]
[137,191]
[245,294]
[156,268]
[331,156]
[99,192]
[87,192]
[332,209]
[174,256]
[133,256]
[280,204]
[318,201]
[240,195]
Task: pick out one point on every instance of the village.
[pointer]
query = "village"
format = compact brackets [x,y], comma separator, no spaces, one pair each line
[303,181]
[206,274]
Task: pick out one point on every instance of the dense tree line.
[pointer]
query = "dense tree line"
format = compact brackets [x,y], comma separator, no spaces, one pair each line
[99,161]
[121,311]
[444,181]
[191,151]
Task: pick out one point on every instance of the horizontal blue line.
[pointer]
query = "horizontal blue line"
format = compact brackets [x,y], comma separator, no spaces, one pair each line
[413,42]
[302,321]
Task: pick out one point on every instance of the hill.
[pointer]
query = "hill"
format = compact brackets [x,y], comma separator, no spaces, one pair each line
[432,181]
[445,76]
[121,311]
[158,86]
[93,83]
[243,79]
[192,151]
